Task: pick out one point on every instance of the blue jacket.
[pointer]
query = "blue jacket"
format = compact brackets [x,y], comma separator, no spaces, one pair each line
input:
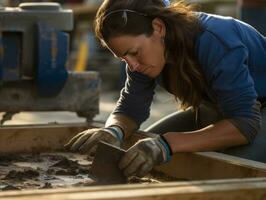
[232,55]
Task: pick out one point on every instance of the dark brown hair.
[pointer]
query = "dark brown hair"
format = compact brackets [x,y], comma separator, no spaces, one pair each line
[181,75]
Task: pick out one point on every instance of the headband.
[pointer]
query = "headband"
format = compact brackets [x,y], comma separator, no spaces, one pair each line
[124,12]
[124,16]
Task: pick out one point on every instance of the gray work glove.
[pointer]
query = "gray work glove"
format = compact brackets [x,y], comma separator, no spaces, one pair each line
[144,155]
[87,141]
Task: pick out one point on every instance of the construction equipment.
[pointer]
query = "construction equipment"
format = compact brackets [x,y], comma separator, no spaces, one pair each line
[34,48]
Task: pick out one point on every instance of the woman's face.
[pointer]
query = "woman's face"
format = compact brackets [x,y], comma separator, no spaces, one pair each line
[142,54]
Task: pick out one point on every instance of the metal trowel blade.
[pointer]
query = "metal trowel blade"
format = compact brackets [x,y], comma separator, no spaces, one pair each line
[104,167]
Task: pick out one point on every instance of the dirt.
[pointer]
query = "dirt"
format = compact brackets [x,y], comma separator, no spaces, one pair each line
[41,171]
[49,170]
[21,175]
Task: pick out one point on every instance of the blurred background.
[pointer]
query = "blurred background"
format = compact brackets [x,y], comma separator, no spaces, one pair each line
[87,54]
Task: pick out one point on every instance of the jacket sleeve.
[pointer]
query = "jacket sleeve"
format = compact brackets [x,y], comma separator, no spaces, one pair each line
[136,97]
[227,72]
[236,93]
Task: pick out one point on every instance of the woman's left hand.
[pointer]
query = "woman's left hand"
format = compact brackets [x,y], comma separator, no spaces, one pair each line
[144,155]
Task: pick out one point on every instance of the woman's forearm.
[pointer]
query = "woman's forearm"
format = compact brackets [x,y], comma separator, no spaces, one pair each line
[214,137]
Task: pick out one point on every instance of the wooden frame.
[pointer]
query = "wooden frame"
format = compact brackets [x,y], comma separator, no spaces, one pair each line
[38,138]
[185,166]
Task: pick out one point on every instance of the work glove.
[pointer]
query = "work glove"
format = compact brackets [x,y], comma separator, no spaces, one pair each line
[144,155]
[87,141]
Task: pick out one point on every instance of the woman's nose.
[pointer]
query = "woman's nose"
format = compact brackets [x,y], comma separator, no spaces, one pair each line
[133,64]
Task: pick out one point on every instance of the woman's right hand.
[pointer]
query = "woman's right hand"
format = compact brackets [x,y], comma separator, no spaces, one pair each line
[87,141]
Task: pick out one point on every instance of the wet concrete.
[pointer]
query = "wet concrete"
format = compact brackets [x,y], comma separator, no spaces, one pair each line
[38,171]
[50,170]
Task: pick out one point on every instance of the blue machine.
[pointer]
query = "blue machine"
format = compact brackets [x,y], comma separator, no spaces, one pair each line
[34,48]
[34,45]
[50,56]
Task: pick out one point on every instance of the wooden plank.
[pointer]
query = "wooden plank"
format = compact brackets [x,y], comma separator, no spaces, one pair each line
[233,189]
[38,138]
[185,166]
[211,165]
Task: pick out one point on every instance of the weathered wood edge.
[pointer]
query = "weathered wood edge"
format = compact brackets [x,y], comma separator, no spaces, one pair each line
[233,189]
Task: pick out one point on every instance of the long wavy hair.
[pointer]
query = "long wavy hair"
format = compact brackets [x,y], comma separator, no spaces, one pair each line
[181,75]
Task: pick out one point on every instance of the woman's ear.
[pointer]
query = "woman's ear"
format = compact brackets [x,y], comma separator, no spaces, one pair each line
[158,27]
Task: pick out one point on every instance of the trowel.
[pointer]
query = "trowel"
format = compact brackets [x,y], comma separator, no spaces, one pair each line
[104,168]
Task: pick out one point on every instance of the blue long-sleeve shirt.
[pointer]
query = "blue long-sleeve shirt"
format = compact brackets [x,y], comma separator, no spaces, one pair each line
[232,56]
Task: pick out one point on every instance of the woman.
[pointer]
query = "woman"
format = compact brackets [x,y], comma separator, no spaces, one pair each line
[214,65]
